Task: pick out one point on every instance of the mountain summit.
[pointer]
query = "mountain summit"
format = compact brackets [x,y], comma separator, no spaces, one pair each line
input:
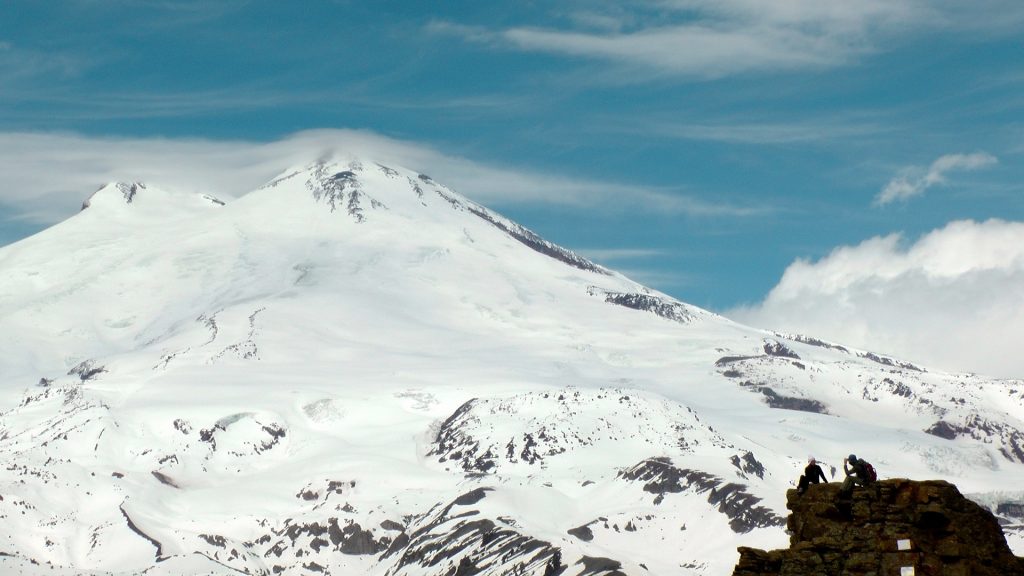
[356,370]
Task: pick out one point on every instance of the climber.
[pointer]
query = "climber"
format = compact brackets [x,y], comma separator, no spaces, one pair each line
[812,475]
[858,472]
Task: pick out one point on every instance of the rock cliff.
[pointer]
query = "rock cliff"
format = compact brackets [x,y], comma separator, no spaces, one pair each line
[895,526]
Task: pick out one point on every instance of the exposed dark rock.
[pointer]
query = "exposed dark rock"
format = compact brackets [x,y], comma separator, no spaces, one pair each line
[535,242]
[776,400]
[468,440]
[443,535]
[349,539]
[942,429]
[730,499]
[1010,440]
[582,532]
[129,190]
[748,464]
[208,435]
[275,430]
[86,370]
[898,388]
[890,387]
[726,360]
[466,567]
[355,541]
[388,171]
[214,540]
[308,495]
[452,444]
[776,348]
[400,542]
[131,526]
[600,567]
[814,342]
[341,189]
[668,309]
[1015,509]
[886,361]
[416,187]
[890,525]
[554,565]
[246,349]
[392,525]
[165,479]
[182,426]
[472,497]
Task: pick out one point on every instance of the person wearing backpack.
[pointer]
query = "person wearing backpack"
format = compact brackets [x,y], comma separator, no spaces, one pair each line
[859,472]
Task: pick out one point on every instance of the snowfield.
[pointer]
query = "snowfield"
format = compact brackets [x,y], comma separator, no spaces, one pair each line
[356,370]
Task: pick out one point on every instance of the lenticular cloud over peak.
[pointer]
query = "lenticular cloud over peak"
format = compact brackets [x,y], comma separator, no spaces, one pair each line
[963,282]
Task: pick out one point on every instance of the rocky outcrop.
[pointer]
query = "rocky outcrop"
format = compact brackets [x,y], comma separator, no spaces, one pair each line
[664,307]
[895,526]
[662,477]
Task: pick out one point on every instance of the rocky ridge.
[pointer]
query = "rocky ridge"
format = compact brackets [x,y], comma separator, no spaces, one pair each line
[895,526]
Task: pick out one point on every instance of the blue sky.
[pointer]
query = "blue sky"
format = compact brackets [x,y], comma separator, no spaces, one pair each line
[702,147]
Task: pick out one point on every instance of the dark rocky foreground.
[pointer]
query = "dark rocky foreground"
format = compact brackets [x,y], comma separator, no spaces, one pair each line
[898,526]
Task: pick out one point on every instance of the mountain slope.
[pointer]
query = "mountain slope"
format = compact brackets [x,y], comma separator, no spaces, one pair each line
[356,370]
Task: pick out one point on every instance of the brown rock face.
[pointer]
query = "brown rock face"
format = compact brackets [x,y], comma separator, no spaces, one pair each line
[893,527]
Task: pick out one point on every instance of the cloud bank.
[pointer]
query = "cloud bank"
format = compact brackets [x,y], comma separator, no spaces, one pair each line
[913,181]
[952,300]
[46,176]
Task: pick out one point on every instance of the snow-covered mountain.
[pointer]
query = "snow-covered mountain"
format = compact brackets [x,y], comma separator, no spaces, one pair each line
[356,370]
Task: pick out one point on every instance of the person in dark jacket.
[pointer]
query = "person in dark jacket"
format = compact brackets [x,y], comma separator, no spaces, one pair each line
[812,475]
[856,474]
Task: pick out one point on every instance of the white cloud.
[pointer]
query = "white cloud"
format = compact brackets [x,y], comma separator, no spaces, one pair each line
[46,176]
[768,133]
[712,38]
[913,181]
[21,64]
[609,254]
[952,300]
[696,50]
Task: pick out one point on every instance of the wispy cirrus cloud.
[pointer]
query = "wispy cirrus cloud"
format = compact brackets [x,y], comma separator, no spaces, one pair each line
[20,64]
[641,265]
[914,180]
[697,50]
[715,38]
[611,254]
[768,133]
[55,106]
[46,176]
[163,14]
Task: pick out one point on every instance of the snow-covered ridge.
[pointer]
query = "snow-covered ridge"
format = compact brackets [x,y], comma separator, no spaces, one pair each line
[126,193]
[356,370]
[360,188]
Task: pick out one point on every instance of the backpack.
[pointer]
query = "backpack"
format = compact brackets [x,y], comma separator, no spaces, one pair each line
[869,472]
